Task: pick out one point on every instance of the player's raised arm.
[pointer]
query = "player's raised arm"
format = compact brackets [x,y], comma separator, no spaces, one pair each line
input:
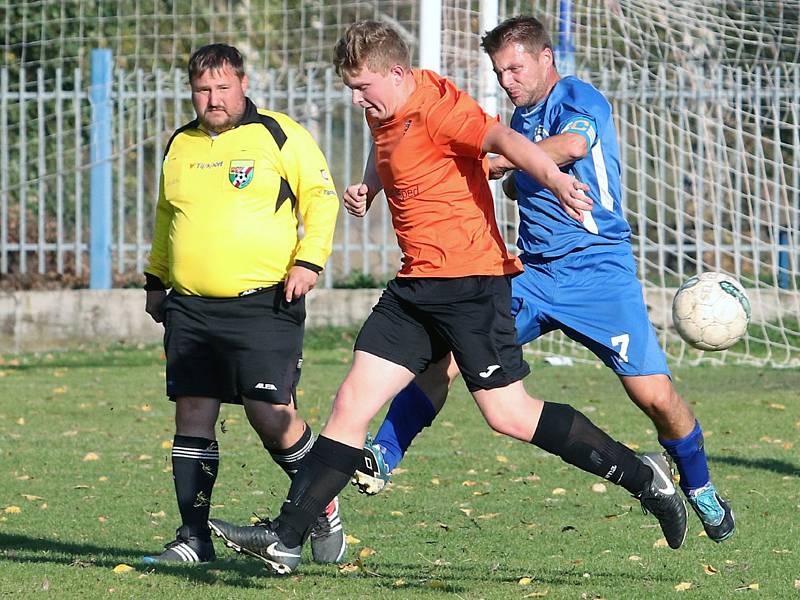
[530,158]
[358,197]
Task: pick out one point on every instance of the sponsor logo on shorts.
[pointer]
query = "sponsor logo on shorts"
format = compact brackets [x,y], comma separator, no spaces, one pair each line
[489,370]
[265,386]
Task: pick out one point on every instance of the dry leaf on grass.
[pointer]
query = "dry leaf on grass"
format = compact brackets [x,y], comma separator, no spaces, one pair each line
[352,540]
[91,456]
[746,588]
[710,570]
[123,568]
[683,586]
[525,580]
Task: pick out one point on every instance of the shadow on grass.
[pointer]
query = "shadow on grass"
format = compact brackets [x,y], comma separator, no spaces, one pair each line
[26,550]
[231,570]
[780,467]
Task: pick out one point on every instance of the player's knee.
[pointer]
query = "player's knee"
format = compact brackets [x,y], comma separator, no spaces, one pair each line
[661,401]
[507,425]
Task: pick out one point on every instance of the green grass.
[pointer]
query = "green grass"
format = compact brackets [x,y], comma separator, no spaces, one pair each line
[473,514]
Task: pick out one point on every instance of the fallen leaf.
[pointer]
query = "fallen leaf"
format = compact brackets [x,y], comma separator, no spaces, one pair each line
[91,456]
[352,540]
[102,478]
[102,519]
[166,444]
[752,586]
[123,568]
[146,408]
[435,481]
[776,406]
[683,586]
[70,433]
[634,446]
[466,511]
[660,543]
[396,513]
[797,584]
[501,459]
[45,584]
[348,568]
[144,457]
[60,390]
[21,421]
[634,557]
[398,583]
[488,516]
[525,580]
[31,497]
[469,483]
[709,570]
[541,594]
[365,552]
[599,488]
[12,510]
[558,492]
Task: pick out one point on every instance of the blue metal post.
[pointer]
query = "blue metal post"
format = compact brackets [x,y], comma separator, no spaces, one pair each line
[783,260]
[565,51]
[100,179]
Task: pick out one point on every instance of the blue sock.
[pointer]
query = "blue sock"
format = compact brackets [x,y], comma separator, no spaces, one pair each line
[690,459]
[411,412]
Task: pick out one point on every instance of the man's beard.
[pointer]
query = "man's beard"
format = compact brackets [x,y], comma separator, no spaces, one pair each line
[230,122]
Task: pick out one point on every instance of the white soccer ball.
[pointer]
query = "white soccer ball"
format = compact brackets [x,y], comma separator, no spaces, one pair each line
[711,311]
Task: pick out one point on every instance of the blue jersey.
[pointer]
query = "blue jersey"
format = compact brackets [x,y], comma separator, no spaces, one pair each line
[573,106]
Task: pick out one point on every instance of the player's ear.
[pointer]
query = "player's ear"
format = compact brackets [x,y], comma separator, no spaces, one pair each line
[397,73]
[244,82]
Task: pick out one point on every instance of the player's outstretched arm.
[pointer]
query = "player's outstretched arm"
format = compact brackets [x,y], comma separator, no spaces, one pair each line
[527,156]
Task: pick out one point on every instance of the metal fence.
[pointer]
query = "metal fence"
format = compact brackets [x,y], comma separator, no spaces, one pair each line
[710,168]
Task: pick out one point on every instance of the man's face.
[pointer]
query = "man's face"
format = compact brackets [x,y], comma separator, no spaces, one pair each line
[218,98]
[378,94]
[523,76]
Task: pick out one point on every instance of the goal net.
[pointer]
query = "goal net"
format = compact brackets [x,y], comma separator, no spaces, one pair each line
[705,96]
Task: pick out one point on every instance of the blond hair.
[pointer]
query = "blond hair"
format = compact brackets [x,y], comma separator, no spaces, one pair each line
[370,44]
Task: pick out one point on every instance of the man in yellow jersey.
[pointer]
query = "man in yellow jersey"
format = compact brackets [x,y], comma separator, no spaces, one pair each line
[226,242]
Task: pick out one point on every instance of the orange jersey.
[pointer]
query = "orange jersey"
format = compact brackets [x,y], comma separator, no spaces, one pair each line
[430,162]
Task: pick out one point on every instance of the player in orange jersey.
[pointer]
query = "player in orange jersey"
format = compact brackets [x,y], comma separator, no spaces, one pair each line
[453,292]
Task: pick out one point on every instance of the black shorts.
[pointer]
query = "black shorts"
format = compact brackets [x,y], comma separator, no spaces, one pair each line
[419,320]
[227,348]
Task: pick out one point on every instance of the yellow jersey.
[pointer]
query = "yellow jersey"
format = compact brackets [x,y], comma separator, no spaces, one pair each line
[227,213]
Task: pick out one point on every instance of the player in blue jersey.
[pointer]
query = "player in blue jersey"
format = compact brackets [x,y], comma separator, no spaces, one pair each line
[580,273]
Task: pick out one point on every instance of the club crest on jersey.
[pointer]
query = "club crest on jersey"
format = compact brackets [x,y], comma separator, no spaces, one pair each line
[241,173]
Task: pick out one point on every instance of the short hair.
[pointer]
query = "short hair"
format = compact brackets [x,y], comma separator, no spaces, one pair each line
[214,57]
[372,44]
[528,31]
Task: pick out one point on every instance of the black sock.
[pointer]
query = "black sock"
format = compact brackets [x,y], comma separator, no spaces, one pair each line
[325,471]
[567,433]
[194,468]
[289,459]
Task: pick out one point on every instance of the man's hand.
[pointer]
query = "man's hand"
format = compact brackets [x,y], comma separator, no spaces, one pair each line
[154,304]
[499,165]
[355,199]
[571,194]
[299,282]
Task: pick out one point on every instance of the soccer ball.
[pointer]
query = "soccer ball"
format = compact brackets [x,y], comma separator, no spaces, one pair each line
[711,311]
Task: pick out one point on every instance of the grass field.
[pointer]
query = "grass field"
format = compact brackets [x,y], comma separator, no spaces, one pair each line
[85,486]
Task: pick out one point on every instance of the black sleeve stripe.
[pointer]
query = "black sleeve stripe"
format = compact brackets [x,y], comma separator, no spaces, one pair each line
[308,265]
[274,128]
[190,125]
[285,193]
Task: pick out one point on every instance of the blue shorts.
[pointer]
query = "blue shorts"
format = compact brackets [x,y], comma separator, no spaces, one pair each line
[596,299]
